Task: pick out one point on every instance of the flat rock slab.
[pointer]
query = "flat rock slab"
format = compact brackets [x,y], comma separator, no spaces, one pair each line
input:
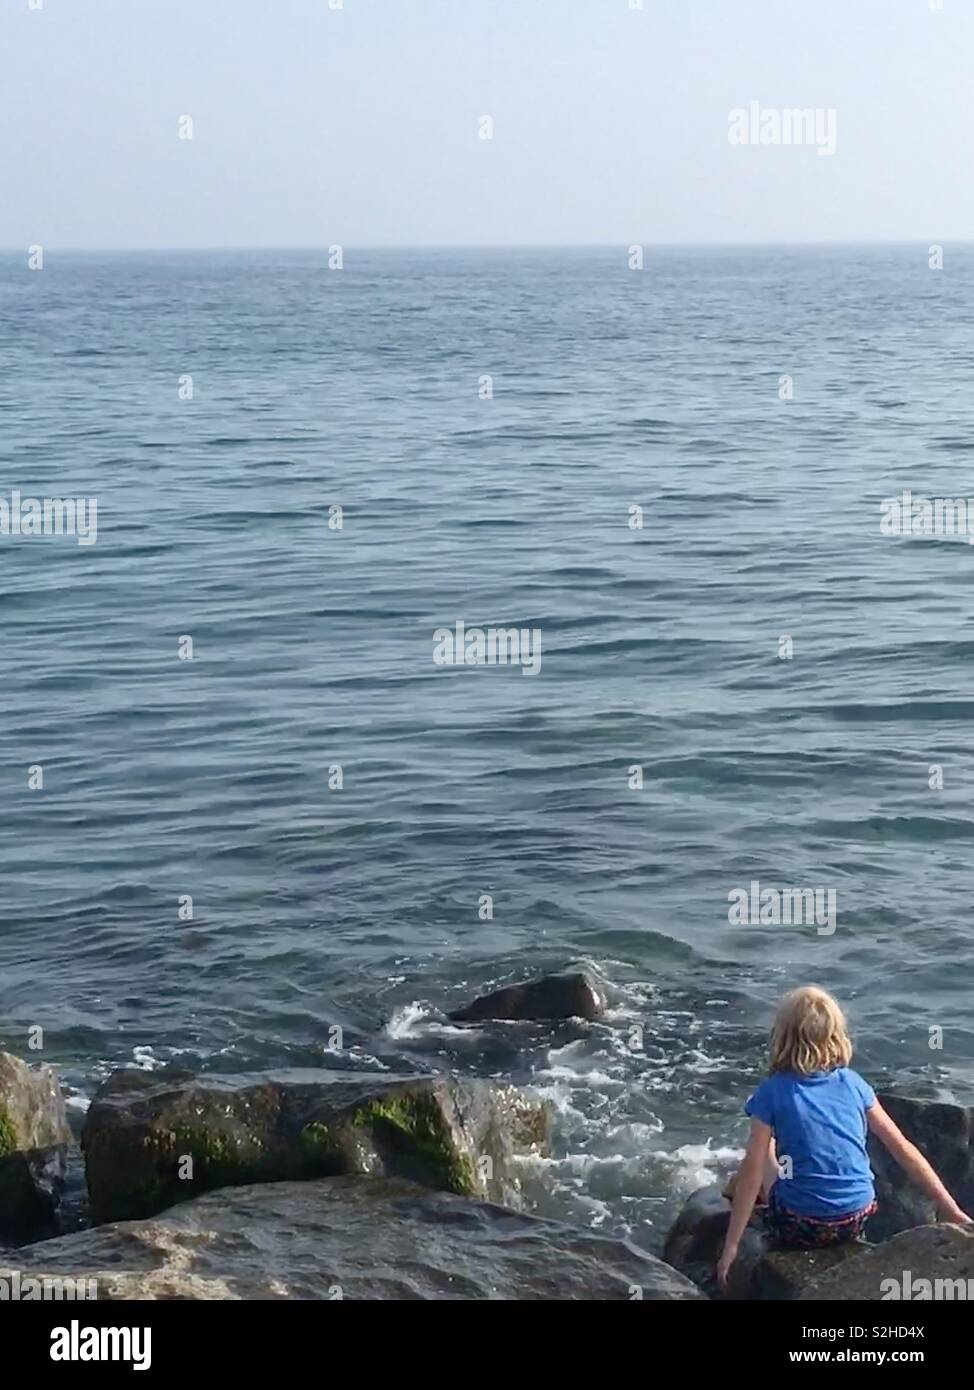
[151,1140]
[351,1237]
[785,1274]
[573,994]
[928,1263]
[34,1138]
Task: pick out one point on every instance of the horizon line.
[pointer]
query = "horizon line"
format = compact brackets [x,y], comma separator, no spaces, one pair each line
[322,248]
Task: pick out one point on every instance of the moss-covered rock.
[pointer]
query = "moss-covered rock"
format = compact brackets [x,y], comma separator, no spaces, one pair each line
[8,1135]
[34,1136]
[151,1140]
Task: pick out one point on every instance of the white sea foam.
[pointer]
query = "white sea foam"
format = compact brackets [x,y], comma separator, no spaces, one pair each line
[591,1077]
[417,1020]
[599,1211]
[356,1055]
[146,1060]
[698,1061]
[698,1165]
[405,1022]
[560,1098]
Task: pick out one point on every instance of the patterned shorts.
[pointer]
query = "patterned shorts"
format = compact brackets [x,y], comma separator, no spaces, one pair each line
[812,1233]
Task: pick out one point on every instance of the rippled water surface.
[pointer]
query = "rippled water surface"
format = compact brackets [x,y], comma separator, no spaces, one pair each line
[315,906]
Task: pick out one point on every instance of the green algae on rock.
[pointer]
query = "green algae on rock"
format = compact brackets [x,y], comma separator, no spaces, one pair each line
[151,1140]
[416,1124]
[8,1136]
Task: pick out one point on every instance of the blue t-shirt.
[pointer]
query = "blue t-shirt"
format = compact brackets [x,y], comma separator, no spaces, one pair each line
[819,1122]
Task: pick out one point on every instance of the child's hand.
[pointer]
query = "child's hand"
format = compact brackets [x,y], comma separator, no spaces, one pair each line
[950,1211]
[727,1258]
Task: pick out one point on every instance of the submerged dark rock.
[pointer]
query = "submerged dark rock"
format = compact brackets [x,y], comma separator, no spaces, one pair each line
[696,1240]
[944,1134]
[34,1138]
[927,1263]
[574,994]
[355,1238]
[152,1140]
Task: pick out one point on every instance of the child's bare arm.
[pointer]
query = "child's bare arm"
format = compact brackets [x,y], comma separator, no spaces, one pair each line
[909,1157]
[746,1191]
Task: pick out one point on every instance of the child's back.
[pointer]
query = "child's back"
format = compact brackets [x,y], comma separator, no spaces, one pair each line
[819,1126]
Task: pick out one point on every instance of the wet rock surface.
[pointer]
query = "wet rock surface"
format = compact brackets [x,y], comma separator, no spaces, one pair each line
[34,1138]
[924,1264]
[152,1140]
[695,1241]
[944,1134]
[353,1238]
[572,994]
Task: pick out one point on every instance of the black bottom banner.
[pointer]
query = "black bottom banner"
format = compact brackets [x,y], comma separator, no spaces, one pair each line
[181,1338]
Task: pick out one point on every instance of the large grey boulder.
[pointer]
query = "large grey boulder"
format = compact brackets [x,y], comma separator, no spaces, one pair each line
[154,1139]
[696,1240]
[355,1238]
[573,994]
[34,1138]
[944,1134]
[929,1263]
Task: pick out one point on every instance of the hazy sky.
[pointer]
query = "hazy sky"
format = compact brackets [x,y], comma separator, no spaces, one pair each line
[359,125]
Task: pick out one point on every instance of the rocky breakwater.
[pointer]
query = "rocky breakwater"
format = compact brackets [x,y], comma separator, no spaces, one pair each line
[325,1185]
[153,1139]
[34,1140]
[899,1239]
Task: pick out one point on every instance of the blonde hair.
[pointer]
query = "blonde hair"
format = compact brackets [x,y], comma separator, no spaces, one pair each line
[809,1033]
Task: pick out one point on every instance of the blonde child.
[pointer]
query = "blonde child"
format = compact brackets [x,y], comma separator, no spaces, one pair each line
[807,1151]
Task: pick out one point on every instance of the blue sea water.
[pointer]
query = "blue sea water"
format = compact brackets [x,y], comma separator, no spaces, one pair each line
[360,907]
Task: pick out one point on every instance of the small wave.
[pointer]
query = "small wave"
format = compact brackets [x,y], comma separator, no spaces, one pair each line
[413,1021]
[955,446]
[146,1060]
[698,1165]
[591,1078]
[405,1021]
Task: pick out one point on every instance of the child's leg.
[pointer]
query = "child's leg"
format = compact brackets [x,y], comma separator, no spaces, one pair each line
[771,1176]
